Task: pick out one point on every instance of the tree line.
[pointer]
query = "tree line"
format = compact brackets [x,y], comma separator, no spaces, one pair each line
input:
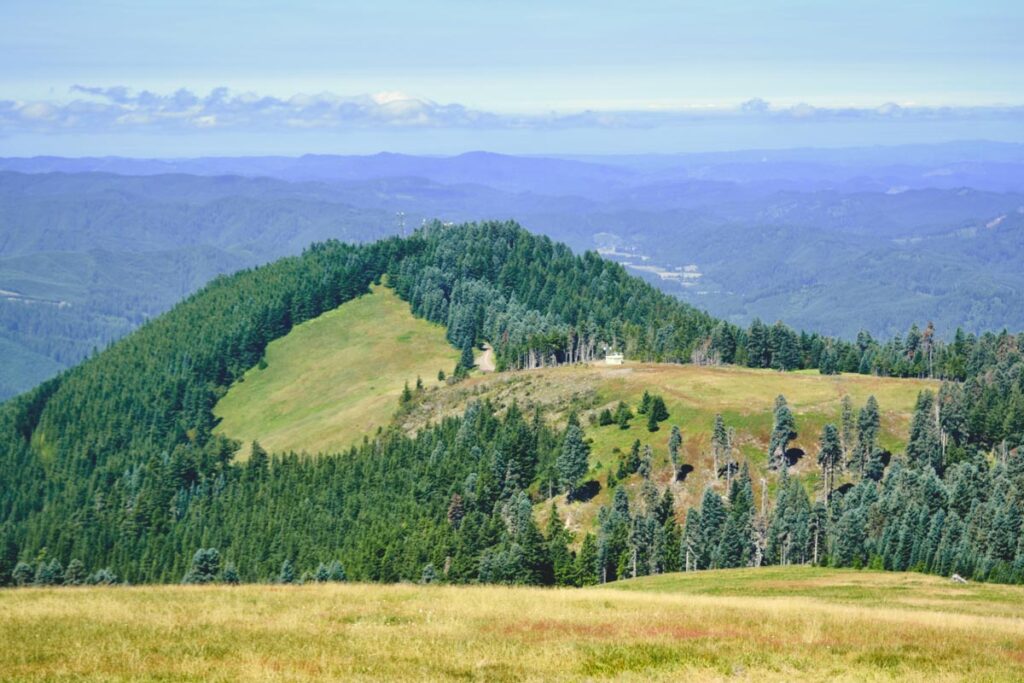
[113,467]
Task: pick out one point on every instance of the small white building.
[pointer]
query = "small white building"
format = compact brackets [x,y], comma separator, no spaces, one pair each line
[613,359]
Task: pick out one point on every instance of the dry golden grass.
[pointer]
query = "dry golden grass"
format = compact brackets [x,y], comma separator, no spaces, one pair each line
[759,625]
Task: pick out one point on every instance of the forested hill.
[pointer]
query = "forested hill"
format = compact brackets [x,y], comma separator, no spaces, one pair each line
[115,465]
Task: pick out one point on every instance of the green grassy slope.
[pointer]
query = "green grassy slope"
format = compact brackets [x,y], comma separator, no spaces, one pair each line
[337,377]
[777,624]
[693,395]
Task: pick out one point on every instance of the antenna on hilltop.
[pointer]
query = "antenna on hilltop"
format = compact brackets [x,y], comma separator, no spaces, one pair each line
[400,215]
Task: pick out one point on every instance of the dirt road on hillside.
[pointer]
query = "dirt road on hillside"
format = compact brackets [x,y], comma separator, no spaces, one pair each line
[485,363]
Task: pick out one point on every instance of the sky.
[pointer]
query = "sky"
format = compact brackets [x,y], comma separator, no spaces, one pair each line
[191,78]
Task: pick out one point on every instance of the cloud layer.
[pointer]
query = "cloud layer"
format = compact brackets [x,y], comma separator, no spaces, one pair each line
[119,108]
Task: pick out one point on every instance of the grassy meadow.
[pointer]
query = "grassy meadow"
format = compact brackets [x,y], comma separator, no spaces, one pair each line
[693,396]
[772,624]
[335,378]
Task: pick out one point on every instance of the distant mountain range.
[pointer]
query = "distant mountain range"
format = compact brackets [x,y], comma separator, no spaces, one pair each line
[830,240]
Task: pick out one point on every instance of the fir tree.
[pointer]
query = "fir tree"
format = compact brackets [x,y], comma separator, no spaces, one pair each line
[205,566]
[75,573]
[783,431]
[287,573]
[830,455]
[573,460]
[230,574]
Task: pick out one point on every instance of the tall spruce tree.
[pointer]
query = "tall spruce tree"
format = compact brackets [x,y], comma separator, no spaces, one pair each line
[783,431]
[830,457]
[573,461]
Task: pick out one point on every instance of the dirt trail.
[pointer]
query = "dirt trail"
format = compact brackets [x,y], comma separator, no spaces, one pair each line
[485,363]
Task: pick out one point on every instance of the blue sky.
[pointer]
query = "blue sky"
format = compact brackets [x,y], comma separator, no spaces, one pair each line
[185,78]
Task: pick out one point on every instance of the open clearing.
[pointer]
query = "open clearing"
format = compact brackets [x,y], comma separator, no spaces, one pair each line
[693,395]
[335,378]
[794,623]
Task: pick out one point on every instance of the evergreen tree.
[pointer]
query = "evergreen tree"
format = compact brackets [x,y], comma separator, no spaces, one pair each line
[287,573]
[675,445]
[466,362]
[830,455]
[658,408]
[868,423]
[23,574]
[587,562]
[712,521]
[783,431]
[848,428]
[230,574]
[75,573]
[573,461]
[335,572]
[623,415]
[205,566]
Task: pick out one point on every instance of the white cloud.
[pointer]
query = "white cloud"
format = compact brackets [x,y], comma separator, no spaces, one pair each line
[99,109]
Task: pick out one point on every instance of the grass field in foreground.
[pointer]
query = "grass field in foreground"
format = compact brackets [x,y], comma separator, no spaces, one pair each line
[755,625]
[335,378]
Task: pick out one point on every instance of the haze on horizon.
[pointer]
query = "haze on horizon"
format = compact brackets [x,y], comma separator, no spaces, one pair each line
[187,78]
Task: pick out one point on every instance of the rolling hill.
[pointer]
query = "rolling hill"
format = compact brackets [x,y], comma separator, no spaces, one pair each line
[120,468]
[338,378]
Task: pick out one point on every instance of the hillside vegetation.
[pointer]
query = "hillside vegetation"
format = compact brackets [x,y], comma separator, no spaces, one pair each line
[338,377]
[115,471]
[694,396]
[778,624]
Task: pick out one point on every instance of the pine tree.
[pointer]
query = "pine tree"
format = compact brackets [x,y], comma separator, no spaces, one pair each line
[652,421]
[848,428]
[719,444]
[587,562]
[675,445]
[573,460]
[690,547]
[205,566]
[466,361]
[23,574]
[623,415]
[712,517]
[924,448]
[830,454]
[230,574]
[335,572]
[75,573]
[658,408]
[287,573]
[868,423]
[783,431]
